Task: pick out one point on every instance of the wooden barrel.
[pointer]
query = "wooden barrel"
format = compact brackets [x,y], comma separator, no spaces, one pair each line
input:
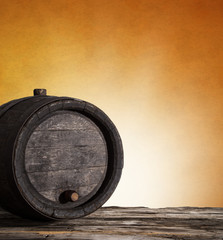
[60,157]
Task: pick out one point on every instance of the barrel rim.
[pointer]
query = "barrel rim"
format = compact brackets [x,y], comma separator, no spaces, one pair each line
[32,124]
[115,160]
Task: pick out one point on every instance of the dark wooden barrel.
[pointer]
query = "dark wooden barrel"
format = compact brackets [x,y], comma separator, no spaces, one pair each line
[60,157]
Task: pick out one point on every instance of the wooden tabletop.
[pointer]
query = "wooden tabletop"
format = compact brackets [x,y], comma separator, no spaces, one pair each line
[118,223]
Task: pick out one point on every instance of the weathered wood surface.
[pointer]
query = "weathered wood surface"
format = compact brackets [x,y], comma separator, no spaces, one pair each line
[114,223]
[67,151]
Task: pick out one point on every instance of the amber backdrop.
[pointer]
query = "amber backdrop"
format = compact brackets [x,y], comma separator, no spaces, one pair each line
[154,66]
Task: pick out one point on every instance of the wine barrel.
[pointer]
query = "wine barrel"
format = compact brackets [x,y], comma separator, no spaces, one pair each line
[60,157]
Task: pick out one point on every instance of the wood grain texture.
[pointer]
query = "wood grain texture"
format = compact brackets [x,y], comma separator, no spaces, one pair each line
[114,223]
[67,151]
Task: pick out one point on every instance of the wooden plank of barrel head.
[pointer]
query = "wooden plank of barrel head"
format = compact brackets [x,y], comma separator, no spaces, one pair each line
[61,157]
[66,151]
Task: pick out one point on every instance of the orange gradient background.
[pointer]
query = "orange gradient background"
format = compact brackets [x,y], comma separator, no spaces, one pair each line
[154,66]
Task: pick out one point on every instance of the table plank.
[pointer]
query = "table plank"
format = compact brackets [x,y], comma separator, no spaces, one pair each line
[114,223]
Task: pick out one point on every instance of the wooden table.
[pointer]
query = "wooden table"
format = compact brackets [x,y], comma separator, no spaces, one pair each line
[118,223]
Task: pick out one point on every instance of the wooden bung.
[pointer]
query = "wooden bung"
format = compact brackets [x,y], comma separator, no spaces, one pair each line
[71,196]
[40,91]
